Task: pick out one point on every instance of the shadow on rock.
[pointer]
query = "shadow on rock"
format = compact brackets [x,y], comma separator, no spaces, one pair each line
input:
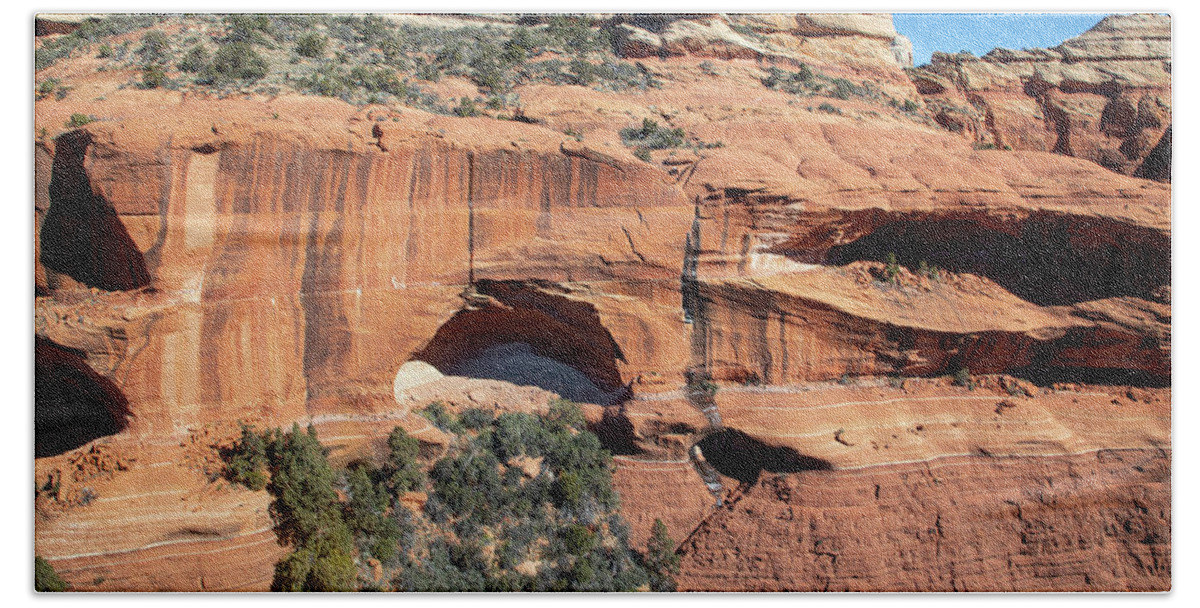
[742,457]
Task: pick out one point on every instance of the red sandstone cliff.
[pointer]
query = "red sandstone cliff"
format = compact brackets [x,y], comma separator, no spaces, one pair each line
[272,259]
[1104,95]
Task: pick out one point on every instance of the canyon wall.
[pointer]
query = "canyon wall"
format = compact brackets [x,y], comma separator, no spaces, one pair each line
[932,526]
[287,276]
[201,261]
[1104,95]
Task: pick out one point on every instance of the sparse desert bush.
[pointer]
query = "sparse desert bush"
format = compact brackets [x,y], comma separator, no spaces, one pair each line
[78,120]
[155,47]
[237,61]
[963,378]
[652,137]
[312,45]
[153,76]
[195,60]
[892,269]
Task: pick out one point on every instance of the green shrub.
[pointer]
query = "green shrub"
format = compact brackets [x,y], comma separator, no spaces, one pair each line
[573,34]
[46,87]
[325,566]
[152,76]
[237,61]
[652,137]
[311,45]
[800,82]
[78,120]
[578,539]
[476,419]
[443,418]
[327,81]
[466,108]
[247,29]
[963,378]
[308,516]
[195,60]
[829,108]
[155,47]
[305,506]
[844,89]
[565,414]
[104,52]
[90,31]
[366,513]
[45,578]
[892,269]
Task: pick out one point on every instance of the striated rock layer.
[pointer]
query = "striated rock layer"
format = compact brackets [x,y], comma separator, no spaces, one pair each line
[1104,95]
[1097,521]
[202,261]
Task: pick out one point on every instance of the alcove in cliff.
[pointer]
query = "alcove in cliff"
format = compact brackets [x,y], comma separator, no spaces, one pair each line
[73,404]
[1047,260]
[524,333]
[82,237]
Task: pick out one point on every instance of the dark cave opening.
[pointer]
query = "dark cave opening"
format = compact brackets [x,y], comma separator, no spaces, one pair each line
[81,236]
[73,404]
[1046,260]
[526,335]
[735,454]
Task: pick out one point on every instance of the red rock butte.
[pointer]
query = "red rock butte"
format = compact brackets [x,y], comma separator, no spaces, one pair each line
[936,309]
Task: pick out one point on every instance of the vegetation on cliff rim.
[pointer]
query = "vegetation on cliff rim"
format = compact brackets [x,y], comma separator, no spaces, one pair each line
[516,503]
[360,59]
[650,136]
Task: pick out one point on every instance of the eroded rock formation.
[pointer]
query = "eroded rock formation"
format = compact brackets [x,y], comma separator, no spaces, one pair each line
[1104,95]
[272,260]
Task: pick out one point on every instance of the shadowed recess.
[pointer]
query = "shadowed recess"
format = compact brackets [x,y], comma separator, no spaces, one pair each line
[527,336]
[1157,164]
[1045,260]
[742,457]
[73,404]
[82,237]
[1110,376]
[616,432]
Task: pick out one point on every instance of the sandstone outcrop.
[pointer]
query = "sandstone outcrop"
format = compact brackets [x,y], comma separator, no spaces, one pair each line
[933,526]
[201,261]
[1104,95]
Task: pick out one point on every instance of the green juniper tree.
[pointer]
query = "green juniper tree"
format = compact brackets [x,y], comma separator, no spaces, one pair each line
[661,561]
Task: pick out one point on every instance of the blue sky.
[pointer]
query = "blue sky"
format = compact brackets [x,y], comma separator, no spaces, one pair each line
[982,32]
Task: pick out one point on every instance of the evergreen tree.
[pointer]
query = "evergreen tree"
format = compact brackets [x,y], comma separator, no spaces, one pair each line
[402,469]
[307,516]
[661,561]
[45,578]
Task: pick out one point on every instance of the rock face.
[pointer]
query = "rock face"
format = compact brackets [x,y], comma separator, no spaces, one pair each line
[1104,95]
[204,261]
[932,526]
